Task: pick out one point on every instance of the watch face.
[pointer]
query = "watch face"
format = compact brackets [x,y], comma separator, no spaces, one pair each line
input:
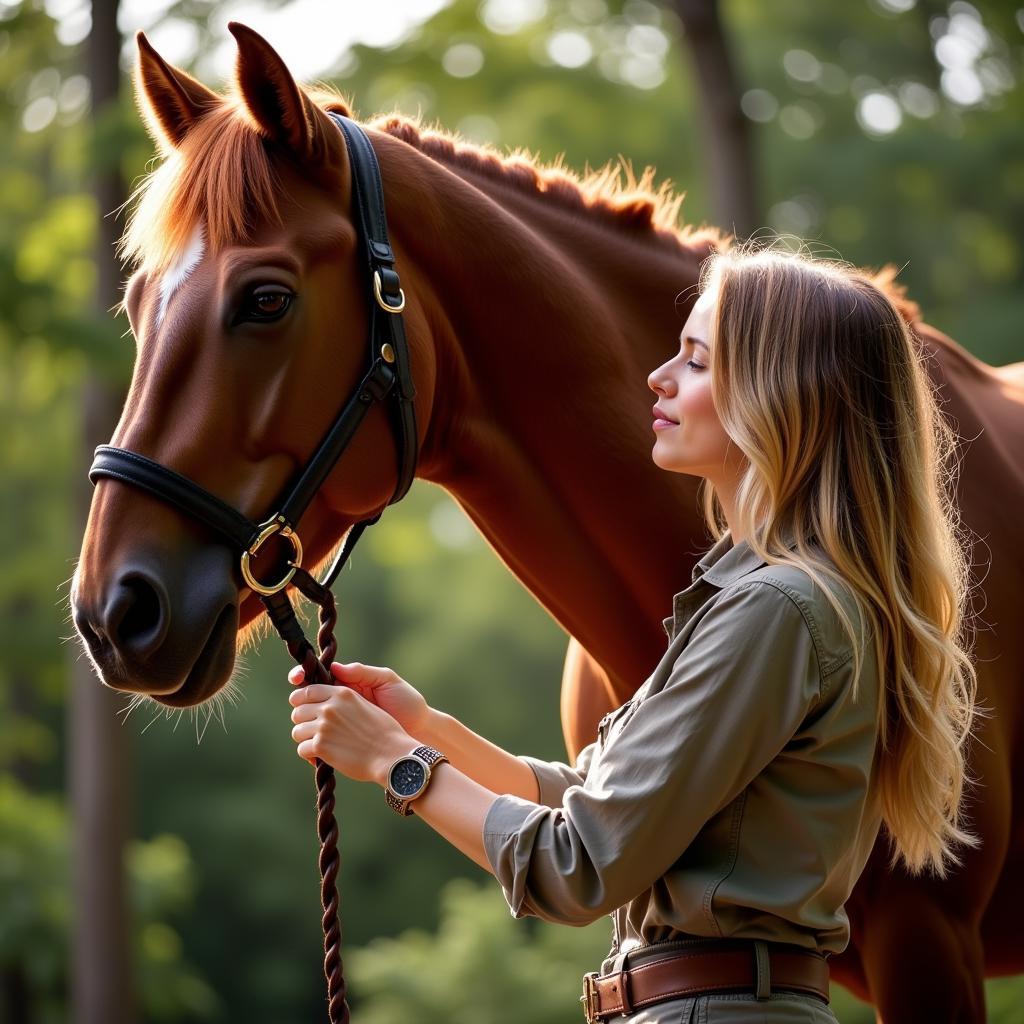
[407,776]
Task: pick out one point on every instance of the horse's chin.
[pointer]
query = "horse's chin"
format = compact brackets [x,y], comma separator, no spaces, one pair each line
[212,669]
[250,608]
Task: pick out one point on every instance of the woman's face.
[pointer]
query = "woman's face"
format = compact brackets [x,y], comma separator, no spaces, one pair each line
[690,438]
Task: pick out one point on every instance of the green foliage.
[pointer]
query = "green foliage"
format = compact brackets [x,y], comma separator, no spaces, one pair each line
[49,152]
[1004,1000]
[33,891]
[480,964]
[37,913]
[909,195]
[38,404]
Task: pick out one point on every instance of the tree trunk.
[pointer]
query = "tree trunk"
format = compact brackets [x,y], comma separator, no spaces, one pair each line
[102,973]
[725,130]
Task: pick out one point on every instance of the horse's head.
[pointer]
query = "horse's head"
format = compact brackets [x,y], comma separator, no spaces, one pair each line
[249,312]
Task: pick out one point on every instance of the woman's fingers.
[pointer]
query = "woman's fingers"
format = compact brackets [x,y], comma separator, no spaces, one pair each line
[354,674]
[297,677]
[304,731]
[315,693]
[305,712]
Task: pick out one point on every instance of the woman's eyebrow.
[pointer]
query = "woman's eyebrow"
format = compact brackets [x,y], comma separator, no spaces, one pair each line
[697,341]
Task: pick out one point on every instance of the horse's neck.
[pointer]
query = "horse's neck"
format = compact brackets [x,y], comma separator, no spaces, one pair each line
[545,323]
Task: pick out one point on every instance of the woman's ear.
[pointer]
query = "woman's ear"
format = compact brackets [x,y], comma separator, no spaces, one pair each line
[171,100]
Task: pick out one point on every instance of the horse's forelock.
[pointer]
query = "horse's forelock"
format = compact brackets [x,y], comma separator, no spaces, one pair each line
[222,179]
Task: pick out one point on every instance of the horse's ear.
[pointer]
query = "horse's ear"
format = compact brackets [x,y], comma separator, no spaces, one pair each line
[283,112]
[171,100]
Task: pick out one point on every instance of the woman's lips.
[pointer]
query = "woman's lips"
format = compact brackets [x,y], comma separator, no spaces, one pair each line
[661,421]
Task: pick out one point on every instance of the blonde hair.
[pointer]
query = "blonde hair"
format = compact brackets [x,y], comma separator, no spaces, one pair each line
[819,381]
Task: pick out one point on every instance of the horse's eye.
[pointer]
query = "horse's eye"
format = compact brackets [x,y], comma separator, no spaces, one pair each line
[266,303]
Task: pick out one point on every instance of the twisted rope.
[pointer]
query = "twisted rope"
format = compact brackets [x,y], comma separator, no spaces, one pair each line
[317,668]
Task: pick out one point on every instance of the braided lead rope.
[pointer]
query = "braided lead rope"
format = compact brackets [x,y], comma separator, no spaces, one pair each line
[317,669]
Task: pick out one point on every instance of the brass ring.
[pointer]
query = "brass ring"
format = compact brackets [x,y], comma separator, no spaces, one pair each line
[380,298]
[268,529]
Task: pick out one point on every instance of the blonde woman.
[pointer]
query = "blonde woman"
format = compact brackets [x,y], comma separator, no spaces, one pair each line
[817,680]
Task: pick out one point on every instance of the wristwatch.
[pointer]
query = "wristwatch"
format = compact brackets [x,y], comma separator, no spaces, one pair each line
[409,777]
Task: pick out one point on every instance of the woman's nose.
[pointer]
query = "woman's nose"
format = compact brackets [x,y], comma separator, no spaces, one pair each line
[659,381]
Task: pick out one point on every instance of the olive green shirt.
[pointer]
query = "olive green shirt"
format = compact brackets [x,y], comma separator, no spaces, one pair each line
[730,796]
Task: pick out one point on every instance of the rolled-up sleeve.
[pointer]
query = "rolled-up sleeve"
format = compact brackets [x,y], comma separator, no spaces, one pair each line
[555,777]
[738,692]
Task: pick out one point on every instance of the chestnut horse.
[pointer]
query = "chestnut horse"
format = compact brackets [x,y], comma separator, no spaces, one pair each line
[537,303]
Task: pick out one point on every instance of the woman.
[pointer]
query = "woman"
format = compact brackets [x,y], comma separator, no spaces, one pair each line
[724,813]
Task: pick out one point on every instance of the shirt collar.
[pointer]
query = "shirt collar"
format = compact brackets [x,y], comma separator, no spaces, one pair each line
[726,562]
[721,566]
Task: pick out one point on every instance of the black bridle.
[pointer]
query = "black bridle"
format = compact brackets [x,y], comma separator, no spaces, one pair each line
[389,375]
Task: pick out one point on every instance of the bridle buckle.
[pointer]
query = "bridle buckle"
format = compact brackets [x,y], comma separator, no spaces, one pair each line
[277,524]
[381,301]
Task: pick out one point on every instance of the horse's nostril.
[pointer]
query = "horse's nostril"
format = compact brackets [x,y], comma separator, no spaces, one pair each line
[86,631]
[137,617]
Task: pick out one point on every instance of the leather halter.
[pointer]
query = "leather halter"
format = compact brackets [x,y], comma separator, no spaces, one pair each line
[388,374]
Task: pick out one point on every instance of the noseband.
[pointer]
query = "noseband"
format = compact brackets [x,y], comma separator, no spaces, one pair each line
[388,376]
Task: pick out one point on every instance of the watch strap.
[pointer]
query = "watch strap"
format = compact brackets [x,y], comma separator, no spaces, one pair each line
[430,754]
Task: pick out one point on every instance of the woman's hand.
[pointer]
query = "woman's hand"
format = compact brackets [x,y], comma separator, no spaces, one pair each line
[382,687]
[344,729]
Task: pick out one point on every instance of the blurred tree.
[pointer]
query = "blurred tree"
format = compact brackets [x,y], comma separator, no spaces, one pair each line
[725,130]
[876,123]
[102,973]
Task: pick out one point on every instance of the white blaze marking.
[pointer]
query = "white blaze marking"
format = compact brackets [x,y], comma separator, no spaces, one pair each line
[178,274]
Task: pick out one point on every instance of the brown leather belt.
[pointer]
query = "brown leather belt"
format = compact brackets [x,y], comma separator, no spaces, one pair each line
[731,965]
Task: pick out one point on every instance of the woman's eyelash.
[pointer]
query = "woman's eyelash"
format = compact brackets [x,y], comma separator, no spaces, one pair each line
[696,366]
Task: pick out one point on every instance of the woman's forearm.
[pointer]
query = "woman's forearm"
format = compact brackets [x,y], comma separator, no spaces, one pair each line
[483,761]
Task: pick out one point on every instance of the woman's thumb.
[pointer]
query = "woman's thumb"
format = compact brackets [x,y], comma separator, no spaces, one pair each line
[356,672]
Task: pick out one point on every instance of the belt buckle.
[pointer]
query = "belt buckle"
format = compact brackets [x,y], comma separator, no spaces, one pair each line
[589,997]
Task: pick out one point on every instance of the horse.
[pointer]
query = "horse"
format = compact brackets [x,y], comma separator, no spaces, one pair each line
[536,301]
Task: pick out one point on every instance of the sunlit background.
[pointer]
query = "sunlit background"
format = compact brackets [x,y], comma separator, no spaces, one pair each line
[884,131]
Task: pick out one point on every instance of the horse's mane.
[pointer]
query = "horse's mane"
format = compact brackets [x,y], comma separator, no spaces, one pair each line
[633,204]
[224,177]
